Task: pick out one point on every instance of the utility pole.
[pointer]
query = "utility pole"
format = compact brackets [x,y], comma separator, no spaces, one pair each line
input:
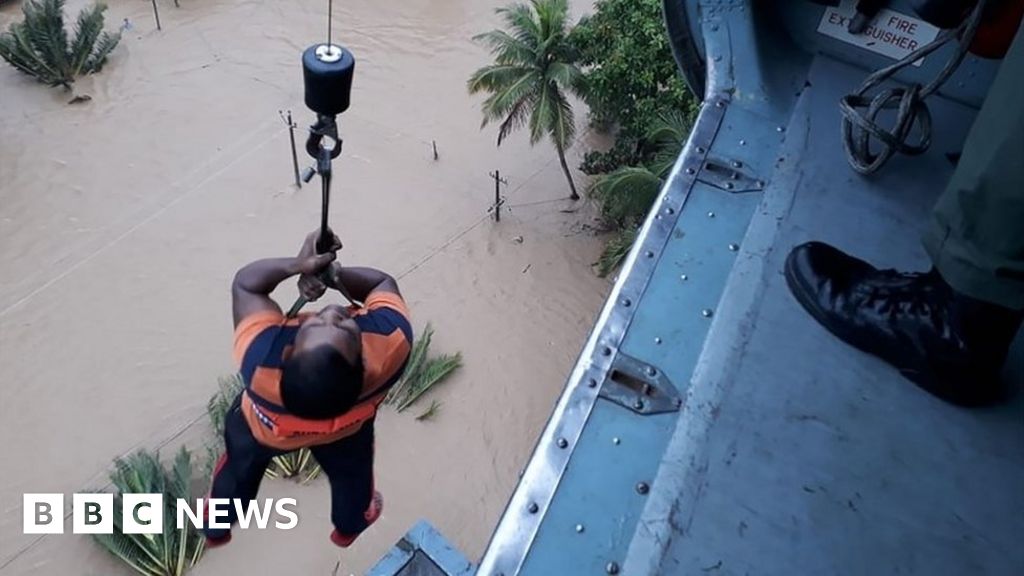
[498,181]
[291,134]
[156,13]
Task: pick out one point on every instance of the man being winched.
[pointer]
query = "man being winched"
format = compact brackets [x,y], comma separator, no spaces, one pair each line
[313,381]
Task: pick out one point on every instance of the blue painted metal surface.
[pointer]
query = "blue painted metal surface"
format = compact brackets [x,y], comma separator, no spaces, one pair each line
[423,552]
[790,452]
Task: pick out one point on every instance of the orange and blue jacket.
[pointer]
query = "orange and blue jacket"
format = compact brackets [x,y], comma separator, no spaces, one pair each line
[264,340]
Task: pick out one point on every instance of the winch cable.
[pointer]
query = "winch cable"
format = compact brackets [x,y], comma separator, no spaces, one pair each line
[326,128]
[859,126]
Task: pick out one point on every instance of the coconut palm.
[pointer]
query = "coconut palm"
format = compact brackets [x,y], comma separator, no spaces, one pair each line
[626,195]
[422,371]
[39,45]
[534,67]
[175,550]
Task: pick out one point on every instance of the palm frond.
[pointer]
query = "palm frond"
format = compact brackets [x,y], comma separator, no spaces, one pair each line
[507,49]
[562,127]
[521,21]
[163,554]
[430,412]
[517,117]
[567,76]
[298,464]
[433,371]
[87,31]
[417,356]
[543,115]
[615,251]
[496,77]
[103,48]
[228,388]
[626,195]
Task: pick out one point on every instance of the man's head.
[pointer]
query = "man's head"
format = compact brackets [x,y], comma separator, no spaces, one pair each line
[323,376]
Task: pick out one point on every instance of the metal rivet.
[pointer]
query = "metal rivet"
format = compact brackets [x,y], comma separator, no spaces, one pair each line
[711,214]
[734,247]
[639,404]
[651,371]
[714,27]
[684,277]
[627,302]
[760,183]
[532,508]
[729,186]
[579,528]
[735,176]
[647,389]
[780,129]
[670,210]
[642,488]
[658,217]
[649,254]
[562,442]
[719,104]
[679,402]
[616,440]
[700,150]
[718,58]
[737,164]
[657,340]
[606,351]
[706,313]
[592,383]
[612,568]
[743,142]
[690,171]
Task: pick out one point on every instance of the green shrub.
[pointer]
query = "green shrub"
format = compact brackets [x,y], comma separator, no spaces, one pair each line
[39,44]
[174,551]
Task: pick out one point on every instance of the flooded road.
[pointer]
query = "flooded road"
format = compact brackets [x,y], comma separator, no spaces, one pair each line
[124,218]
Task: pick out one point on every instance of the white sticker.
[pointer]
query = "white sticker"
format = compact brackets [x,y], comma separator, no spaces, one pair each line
[891,33]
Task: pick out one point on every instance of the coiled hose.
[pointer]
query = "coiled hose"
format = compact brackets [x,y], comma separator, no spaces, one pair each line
[860,111]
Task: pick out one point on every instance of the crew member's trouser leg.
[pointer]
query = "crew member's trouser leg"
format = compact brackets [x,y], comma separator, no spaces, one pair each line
[976,240]
[240,469]
[348,464]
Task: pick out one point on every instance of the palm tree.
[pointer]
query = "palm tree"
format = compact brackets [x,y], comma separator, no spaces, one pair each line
[39,45]
[626,195]
[175,550]
[534,66]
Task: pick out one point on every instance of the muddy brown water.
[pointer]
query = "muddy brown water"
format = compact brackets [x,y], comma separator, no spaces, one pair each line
[123,219]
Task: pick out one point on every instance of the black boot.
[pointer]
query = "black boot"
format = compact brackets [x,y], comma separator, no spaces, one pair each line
[950,345]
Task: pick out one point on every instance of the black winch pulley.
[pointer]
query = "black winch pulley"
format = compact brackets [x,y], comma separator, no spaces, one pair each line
[327,72]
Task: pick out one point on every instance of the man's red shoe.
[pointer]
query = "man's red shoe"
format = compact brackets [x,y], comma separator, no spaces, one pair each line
[211,541]
[373,512]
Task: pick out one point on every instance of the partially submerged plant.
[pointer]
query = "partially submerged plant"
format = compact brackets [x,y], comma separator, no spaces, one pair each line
[39,44]
[175,550]
[421,373]
[430,412]
[298,464]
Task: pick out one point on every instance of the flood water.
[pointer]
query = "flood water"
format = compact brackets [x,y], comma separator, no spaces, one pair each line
[124,218]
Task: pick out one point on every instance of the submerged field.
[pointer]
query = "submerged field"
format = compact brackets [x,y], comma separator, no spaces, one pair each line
[123,219]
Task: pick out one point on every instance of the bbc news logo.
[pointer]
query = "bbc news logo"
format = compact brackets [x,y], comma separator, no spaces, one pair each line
[93,513]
